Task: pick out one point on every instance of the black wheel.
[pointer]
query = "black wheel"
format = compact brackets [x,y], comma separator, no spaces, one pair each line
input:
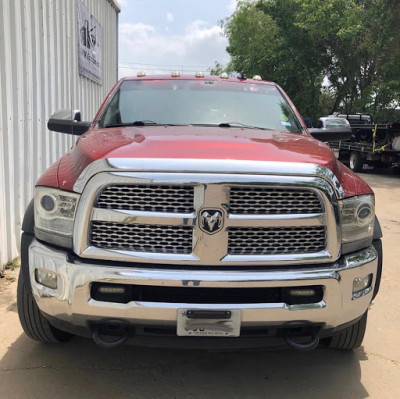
[33,322]
[351,337]
[355,161]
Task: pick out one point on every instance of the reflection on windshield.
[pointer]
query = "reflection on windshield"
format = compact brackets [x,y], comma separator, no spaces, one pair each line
[195,102]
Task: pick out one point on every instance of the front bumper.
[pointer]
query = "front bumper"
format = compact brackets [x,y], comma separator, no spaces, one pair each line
[71,303]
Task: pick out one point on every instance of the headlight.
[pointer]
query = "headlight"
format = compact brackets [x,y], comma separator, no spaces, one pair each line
[55,210]
[357,218]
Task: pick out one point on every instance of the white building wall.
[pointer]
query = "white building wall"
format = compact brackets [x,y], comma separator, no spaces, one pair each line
[39,75]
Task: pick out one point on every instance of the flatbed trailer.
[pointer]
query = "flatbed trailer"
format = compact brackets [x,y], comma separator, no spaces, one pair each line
[371,145]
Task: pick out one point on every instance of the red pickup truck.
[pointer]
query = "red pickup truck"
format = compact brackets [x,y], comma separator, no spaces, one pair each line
[199,211]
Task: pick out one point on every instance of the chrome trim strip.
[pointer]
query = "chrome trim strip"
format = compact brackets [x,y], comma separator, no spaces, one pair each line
[275,220]
[139,217]
[132,256]
[214,166]
[283,259]
[214,306]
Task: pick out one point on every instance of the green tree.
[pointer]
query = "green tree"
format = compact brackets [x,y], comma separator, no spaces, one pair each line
[217,69]
[300,44]
[263,40]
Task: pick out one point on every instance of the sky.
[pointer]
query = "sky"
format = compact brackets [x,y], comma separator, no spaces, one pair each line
[159,36]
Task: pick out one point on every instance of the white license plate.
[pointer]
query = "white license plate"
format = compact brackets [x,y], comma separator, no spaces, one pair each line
[193,322]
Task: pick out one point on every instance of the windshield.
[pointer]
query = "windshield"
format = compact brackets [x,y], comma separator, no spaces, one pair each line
[200,102]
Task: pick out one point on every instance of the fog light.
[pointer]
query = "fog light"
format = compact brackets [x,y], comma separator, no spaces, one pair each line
[362,285]
[302,292]
[111,290]
[46,278]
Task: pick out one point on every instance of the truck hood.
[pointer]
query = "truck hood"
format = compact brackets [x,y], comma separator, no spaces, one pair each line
[187,142]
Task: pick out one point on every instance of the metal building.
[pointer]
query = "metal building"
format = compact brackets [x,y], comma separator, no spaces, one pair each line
[54,54]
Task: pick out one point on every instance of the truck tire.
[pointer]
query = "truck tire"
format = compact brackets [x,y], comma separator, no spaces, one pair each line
[351,337]
[355,161]
[34,324]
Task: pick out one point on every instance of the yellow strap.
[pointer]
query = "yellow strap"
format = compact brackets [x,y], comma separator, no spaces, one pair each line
[373,138]
[382,148]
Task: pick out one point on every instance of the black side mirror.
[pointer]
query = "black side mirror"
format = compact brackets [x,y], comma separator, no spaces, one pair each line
[68,121]
[331,133]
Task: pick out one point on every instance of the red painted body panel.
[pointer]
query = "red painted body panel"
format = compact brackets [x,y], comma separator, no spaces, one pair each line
[196,143]
[351,183]
[201,143]
[50,176]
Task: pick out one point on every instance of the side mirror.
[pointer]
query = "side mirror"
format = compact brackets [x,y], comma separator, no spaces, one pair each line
[331,133]
[68,121]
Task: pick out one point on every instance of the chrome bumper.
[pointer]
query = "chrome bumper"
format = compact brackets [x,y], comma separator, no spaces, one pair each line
[71,301]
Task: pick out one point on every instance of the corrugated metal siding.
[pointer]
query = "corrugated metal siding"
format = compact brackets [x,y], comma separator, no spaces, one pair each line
[39,75]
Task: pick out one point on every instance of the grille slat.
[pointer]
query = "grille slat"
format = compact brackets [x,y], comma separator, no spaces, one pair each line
[273,201]
[148,198]
[276,240]
[142,238]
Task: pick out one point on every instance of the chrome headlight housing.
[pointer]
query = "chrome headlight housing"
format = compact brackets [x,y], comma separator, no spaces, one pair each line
[55,213]
[357,216]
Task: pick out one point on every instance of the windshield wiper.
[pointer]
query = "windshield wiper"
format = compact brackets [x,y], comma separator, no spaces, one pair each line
[140,123]
[231,124]
[135,123]
[238,124]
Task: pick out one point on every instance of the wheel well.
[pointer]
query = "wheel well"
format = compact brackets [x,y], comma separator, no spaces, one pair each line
[28,234]
[28,224]
[377,230]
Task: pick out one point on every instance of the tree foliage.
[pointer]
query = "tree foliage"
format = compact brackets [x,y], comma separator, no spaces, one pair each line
[329,55]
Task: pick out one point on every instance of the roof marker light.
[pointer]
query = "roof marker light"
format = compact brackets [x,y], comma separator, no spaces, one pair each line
[224,75]
[257,77]
[199,75]
[141,74]
[175,74]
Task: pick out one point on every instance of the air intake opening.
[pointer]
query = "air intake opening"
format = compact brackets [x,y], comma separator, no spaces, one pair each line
[124,293]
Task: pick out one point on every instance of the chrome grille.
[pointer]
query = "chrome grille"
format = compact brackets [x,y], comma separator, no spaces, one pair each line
[163,223]
[150,198]
[142,238]
[276,240]
[273,201]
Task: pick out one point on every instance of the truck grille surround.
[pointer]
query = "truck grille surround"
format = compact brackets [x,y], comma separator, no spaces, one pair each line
[168,219]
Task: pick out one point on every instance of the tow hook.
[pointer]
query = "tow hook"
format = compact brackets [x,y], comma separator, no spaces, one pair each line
[296,340]
[110,335]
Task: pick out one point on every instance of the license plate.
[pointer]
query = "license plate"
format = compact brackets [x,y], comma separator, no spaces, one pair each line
[193,322]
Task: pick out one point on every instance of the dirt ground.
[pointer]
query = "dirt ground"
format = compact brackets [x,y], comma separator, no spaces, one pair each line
[80,369]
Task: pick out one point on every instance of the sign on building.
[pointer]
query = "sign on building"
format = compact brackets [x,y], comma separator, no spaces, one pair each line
[90,44]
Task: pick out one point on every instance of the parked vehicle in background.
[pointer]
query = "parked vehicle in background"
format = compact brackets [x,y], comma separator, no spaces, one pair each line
[199,211]
[332,122]
[372,144]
